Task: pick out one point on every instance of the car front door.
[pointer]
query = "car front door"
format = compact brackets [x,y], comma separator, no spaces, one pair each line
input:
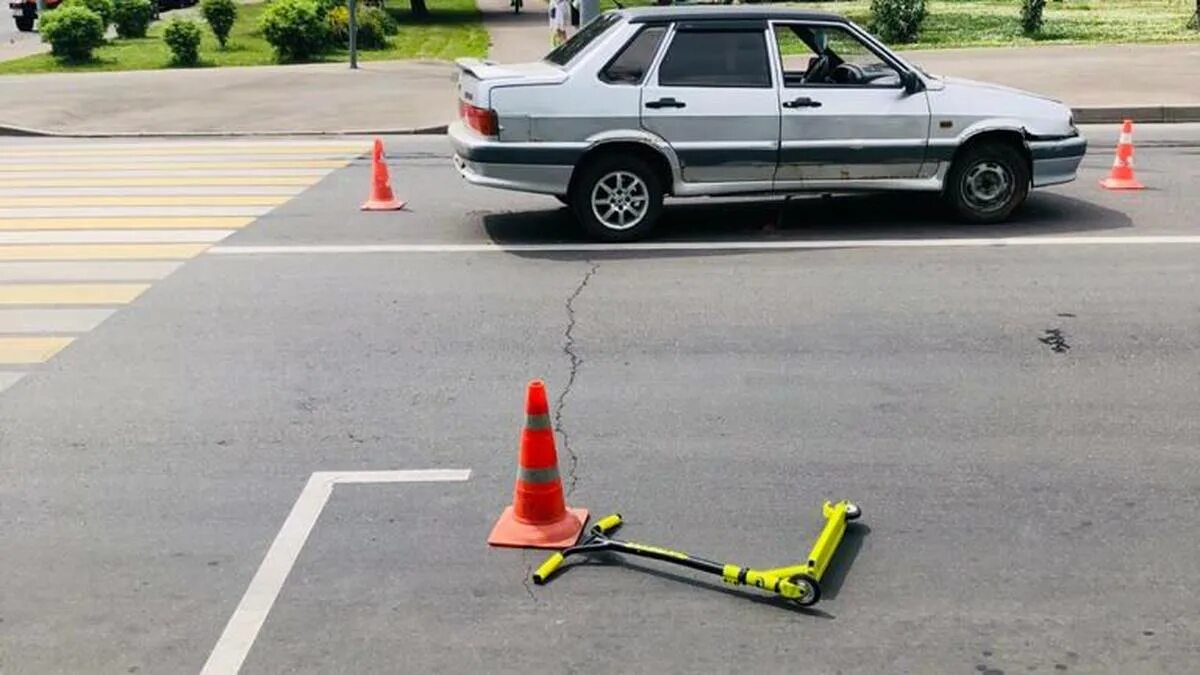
[713,98]
[847,115]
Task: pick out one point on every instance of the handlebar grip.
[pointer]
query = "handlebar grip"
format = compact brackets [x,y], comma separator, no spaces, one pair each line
[547,568]
[609,523]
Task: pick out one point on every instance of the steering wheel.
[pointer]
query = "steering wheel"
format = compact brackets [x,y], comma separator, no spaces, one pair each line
[849,73]
[819,70]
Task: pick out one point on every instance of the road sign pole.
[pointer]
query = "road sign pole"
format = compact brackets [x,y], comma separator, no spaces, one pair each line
[353,35]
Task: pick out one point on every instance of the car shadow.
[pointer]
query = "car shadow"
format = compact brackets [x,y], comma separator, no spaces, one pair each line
[845,217]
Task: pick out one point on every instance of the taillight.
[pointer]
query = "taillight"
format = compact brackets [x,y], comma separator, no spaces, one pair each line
[480,119]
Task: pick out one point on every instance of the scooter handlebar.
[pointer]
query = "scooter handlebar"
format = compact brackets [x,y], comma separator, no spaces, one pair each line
[547,568]
[608,523]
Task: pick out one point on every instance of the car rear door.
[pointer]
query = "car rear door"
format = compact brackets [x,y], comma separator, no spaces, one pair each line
[712,97]
[836,129]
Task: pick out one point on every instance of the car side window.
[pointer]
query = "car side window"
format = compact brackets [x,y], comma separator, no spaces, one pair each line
[722,58]
[629,66]
[830,56]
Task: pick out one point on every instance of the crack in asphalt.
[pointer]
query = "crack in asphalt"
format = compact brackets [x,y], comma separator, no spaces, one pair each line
[1055,339]
[576,361]
[528,573]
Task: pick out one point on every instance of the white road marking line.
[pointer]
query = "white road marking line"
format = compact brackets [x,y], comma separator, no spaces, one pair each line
[86,271]
[342,144]
[143,190]
[51,321]
[189,173]
[238,637]
[707,245]
[8,378]
[182,156]
[130,211]
[112,236]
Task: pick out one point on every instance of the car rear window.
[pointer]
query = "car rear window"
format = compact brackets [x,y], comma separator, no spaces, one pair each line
[716,59]
[631,64]
[564,53]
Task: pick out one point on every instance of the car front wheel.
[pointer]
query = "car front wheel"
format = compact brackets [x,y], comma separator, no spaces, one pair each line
[617,198]
[987,182]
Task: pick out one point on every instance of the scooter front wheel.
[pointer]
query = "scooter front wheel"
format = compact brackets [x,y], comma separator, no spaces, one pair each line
[853,512]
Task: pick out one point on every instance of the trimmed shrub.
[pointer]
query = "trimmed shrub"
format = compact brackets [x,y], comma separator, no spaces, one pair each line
[1031,16]
[132,17]
[220,15]
[183,38]
[374,26]
[73,32]
[327,6]
[897,20]
[296,29]
[103,8]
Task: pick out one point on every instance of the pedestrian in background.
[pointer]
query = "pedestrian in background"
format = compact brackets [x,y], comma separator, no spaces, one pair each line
[559,16]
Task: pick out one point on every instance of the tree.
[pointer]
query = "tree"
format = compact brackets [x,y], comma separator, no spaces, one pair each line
[1195,22]
[420,9]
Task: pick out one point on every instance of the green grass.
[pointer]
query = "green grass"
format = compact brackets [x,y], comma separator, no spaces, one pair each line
[996,23]
[453,29]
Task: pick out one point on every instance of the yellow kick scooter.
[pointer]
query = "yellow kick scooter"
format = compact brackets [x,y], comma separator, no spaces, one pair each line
[800,584]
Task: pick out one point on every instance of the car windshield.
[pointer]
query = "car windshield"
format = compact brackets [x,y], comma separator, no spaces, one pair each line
[564,53]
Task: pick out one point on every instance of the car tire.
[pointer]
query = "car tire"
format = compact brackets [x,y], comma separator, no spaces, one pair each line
[632,183]
[24,23]
[987,182]
[563,199]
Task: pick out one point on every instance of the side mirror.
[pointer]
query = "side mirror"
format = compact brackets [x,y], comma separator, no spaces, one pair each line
[912,83]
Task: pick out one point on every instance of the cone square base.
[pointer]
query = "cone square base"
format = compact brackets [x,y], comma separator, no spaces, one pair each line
[509,531]
[1121,184]
[394,205]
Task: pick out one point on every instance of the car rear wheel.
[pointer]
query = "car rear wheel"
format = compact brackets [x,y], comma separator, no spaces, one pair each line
[617,198]
[987,182]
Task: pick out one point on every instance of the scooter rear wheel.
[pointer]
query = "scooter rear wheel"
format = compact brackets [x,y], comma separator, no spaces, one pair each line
[814,590]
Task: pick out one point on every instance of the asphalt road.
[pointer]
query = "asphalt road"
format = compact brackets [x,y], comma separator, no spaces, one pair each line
[1025,509]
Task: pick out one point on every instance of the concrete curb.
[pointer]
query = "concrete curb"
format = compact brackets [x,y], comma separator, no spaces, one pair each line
[1151,114]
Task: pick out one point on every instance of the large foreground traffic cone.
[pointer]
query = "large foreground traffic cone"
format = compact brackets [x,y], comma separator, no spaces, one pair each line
[538,516]
[382,198]
[1121,176]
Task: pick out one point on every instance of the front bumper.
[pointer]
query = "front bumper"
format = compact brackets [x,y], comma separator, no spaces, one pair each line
[1057,160]
[509,166]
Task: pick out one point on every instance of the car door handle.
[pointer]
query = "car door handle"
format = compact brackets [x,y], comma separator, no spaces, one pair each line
[666,103]
[802,102]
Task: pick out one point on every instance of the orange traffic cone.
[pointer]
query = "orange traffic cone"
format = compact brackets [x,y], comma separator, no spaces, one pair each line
[382,198]
[538,516]
[1121,177]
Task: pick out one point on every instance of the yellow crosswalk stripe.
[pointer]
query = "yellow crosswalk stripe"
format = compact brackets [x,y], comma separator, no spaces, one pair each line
[166,181]
[70,294]
[165,223]
[25,350]
[248,149]
[132,166]
[101,251]
[146,200]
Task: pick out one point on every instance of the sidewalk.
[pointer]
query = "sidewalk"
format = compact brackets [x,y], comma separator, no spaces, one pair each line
[516,37]
[1104,83]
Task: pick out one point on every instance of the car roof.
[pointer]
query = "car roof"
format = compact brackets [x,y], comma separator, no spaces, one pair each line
[718,12]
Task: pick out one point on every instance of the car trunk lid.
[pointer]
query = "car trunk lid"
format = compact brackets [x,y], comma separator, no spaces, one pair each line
[477,78]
